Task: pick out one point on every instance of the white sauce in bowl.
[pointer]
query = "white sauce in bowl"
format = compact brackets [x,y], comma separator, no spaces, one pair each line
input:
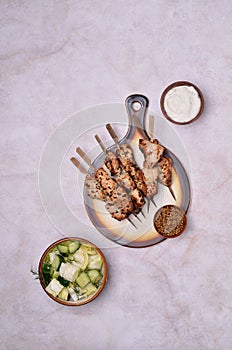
[182,103]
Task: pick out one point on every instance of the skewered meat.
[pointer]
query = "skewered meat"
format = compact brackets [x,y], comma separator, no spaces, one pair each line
[126,157]
[151,177]
[92,190]
[126,181]
[105,182]
[136,195]
[115,210]
[137,199]
[165,171]
[152,152]
[138,177]
[125,154]
[154,160]
[119,204]
[112,163]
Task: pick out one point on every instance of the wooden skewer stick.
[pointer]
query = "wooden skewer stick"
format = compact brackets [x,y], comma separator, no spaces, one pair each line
[86,159]
[152,200]
[151,126]
[113,134]
[149,200]
[137,122]
[137,217]
[101,144]
[78,165]
[131,222]
[172,193]
[99,141]
[148,203]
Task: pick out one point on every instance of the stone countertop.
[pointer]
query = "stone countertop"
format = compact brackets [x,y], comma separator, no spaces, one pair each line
[58,58]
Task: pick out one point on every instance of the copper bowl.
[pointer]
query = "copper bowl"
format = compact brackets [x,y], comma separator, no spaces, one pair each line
[104,272]
[176,84]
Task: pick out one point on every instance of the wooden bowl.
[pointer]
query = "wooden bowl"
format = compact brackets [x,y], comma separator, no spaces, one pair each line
[176,84]
[170,221]
[81,301]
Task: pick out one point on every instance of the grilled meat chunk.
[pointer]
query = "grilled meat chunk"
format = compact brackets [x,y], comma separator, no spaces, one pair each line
[137,199]
[165,171]
[152,152]
[138,177]
[126,156]
[126,181]
[125,152]
[112,163]
[151,179]
[115,210]
[126,164]
[105,182]
[92,190]
[119,204]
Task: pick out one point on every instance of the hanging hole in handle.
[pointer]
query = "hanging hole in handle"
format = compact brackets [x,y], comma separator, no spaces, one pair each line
[136,106]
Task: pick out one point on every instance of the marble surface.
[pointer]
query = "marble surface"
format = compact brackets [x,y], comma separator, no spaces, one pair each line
[60,57]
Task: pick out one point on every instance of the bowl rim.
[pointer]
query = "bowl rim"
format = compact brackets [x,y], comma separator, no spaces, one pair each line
[80,302]
[176,84]
[185,220]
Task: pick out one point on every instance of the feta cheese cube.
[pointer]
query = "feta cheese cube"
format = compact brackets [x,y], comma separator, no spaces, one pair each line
[68,271]
[54,287]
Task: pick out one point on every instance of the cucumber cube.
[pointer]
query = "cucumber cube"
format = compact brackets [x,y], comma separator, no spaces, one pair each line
[64,294]
[90,289]
[73,246]
[83,279]
[95,262]
[94,276]
[62,248]
[56,262]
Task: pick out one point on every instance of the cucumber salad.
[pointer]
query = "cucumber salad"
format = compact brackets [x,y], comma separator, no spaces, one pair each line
[72,270]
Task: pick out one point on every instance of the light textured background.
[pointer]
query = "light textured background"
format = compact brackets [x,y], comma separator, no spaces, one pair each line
[57,57]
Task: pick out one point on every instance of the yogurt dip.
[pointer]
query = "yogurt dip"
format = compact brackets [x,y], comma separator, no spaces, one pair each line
[182,103]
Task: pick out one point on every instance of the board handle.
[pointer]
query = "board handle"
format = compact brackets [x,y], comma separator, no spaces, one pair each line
[136,106]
